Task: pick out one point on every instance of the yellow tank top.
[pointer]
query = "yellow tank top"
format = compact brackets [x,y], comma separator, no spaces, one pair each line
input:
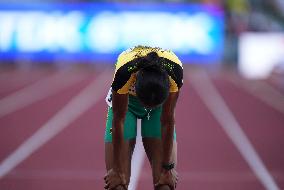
[125,69]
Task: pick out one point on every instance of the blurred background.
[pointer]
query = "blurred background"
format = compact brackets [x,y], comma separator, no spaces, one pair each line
[56,65]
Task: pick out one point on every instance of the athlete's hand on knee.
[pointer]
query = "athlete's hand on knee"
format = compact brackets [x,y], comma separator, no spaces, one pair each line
[168,177]
[114,179]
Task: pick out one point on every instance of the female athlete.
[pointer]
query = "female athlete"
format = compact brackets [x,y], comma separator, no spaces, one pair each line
[146,86]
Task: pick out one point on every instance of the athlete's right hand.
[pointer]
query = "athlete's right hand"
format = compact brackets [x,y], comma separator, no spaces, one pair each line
[114,179]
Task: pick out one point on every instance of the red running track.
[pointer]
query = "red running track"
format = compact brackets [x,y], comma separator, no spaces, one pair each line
[207,157]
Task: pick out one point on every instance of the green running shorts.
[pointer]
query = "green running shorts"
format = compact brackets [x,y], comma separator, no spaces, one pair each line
[150,121]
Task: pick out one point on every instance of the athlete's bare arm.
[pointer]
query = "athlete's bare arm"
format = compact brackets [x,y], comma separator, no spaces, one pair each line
[119,107]
[168,123]
[117,175]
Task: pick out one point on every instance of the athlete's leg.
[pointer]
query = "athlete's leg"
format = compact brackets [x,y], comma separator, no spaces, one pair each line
[153,149]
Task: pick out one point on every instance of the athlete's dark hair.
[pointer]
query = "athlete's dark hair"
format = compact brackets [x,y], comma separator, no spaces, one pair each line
[152,82]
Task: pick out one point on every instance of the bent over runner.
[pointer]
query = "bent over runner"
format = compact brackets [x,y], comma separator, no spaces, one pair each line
[145,86]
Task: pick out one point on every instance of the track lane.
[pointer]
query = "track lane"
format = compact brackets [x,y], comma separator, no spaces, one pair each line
[14,81]
[263,124]
[17,126]
[75,160]
[207,159]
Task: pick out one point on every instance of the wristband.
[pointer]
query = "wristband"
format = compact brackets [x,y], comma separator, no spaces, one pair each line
[168,166]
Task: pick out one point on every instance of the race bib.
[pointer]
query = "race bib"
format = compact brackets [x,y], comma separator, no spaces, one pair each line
[109,98]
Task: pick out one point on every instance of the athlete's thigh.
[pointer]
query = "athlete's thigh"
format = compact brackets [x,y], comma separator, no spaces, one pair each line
[153,149]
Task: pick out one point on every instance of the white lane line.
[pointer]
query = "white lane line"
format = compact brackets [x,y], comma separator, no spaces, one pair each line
[77,106]
[263,91]
[37,91]
[20,80]
[217,106]
[138,158]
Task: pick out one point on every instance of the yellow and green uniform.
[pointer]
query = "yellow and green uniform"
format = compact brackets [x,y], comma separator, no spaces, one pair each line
[124,83]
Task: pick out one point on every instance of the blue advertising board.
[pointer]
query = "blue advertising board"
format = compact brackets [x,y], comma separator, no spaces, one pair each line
[102,31]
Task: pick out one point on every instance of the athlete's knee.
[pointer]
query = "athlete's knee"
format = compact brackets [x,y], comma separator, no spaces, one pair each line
[162,187]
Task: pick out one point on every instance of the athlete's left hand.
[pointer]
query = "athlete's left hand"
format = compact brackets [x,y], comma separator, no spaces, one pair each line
[169,178]
[114,179]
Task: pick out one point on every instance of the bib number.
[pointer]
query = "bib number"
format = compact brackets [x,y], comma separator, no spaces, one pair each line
[109,98]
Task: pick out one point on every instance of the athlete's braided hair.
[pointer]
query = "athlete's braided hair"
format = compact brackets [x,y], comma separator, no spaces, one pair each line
[152,82]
